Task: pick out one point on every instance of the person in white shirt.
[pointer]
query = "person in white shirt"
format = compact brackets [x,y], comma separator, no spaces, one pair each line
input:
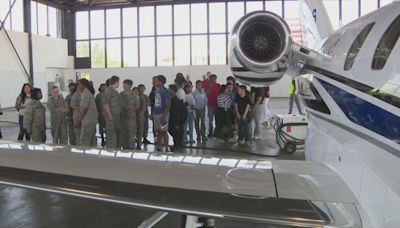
[201,100]
[180,83]
[188,125]
[181,95]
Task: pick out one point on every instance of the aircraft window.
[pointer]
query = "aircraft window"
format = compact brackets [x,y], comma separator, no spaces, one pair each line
[386,45]
[356,46]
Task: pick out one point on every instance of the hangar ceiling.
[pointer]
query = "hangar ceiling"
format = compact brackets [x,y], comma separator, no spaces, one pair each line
[84,4]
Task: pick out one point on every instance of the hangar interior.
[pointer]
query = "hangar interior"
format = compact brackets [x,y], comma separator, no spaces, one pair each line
[55,42]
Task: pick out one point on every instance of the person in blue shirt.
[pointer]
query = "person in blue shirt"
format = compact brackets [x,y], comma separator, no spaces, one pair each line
[201,100]
[162,102]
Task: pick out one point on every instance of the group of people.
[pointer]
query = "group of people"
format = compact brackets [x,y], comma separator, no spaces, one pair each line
[123,117]
[231,109]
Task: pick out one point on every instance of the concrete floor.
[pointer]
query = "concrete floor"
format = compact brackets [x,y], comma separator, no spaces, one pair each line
[28,208]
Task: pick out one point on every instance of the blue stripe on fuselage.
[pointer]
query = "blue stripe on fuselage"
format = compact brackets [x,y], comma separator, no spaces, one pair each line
[364,113]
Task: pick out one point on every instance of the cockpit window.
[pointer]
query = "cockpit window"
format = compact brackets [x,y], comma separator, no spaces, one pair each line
[386,45]
[356,46]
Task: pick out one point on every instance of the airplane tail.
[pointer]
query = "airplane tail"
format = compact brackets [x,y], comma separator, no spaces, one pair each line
[315,22]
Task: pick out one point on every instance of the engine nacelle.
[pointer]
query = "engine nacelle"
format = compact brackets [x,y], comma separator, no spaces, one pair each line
[259,48]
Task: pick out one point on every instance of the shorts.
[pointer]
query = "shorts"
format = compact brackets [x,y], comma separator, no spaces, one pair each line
[157,123]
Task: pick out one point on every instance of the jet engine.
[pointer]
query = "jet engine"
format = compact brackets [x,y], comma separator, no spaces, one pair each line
[260,48]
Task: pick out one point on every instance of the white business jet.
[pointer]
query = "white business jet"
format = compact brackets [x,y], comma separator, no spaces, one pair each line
[350,83]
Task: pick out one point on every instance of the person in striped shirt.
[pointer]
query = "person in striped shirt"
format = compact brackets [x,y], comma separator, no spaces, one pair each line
[223,129]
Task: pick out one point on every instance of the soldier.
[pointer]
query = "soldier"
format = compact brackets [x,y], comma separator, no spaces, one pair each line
[143,116]
[113,110]
[130,103]
[58,116]
[35,118]
[88,115]
[70,120]
[100,111]
[75,101]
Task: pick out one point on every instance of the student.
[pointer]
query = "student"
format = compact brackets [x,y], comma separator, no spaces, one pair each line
[58,116]
[151,98]
[201,100]
[70,124]
[223,118]
[267,116]
[212,93]
[100,112]
[188,125]
[74,105]
[162,102]
[35,118]
[232,94]
[180,83]
[242,111]
[143,116]
[206,80]
[257,107]
[88,114]
[130,104]
[21,103]
[113,110]
[139,119]
[175,118]
[181,95]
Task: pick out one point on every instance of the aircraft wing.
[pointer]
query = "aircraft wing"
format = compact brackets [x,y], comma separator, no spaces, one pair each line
[292,193]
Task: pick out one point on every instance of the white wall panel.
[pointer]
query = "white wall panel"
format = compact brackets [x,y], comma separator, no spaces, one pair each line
[49,55]
[11,84]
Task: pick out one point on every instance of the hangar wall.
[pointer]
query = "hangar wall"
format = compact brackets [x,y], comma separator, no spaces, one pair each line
[143,75]
[50,58]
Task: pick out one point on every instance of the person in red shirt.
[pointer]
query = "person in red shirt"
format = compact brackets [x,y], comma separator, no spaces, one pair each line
[212,93]
[206,80]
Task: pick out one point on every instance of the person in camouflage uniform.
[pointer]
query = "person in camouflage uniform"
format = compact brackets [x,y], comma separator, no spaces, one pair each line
[113,112]
[70,120]
[58,116]
[88,115]
[143,115]
[130,103]
[75,101]
[100,111]
[35,118]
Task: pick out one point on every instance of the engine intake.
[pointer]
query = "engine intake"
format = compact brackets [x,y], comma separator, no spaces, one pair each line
[260,45]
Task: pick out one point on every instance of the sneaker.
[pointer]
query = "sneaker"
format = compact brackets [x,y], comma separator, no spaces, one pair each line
[256,137]
[240,142]
[192,141]
[247,143]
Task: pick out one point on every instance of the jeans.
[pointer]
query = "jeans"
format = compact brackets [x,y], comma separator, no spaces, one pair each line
[257,115]
[211,115]
[200,124]
[294,98]
[22,130]
[188,124]
[243,128]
